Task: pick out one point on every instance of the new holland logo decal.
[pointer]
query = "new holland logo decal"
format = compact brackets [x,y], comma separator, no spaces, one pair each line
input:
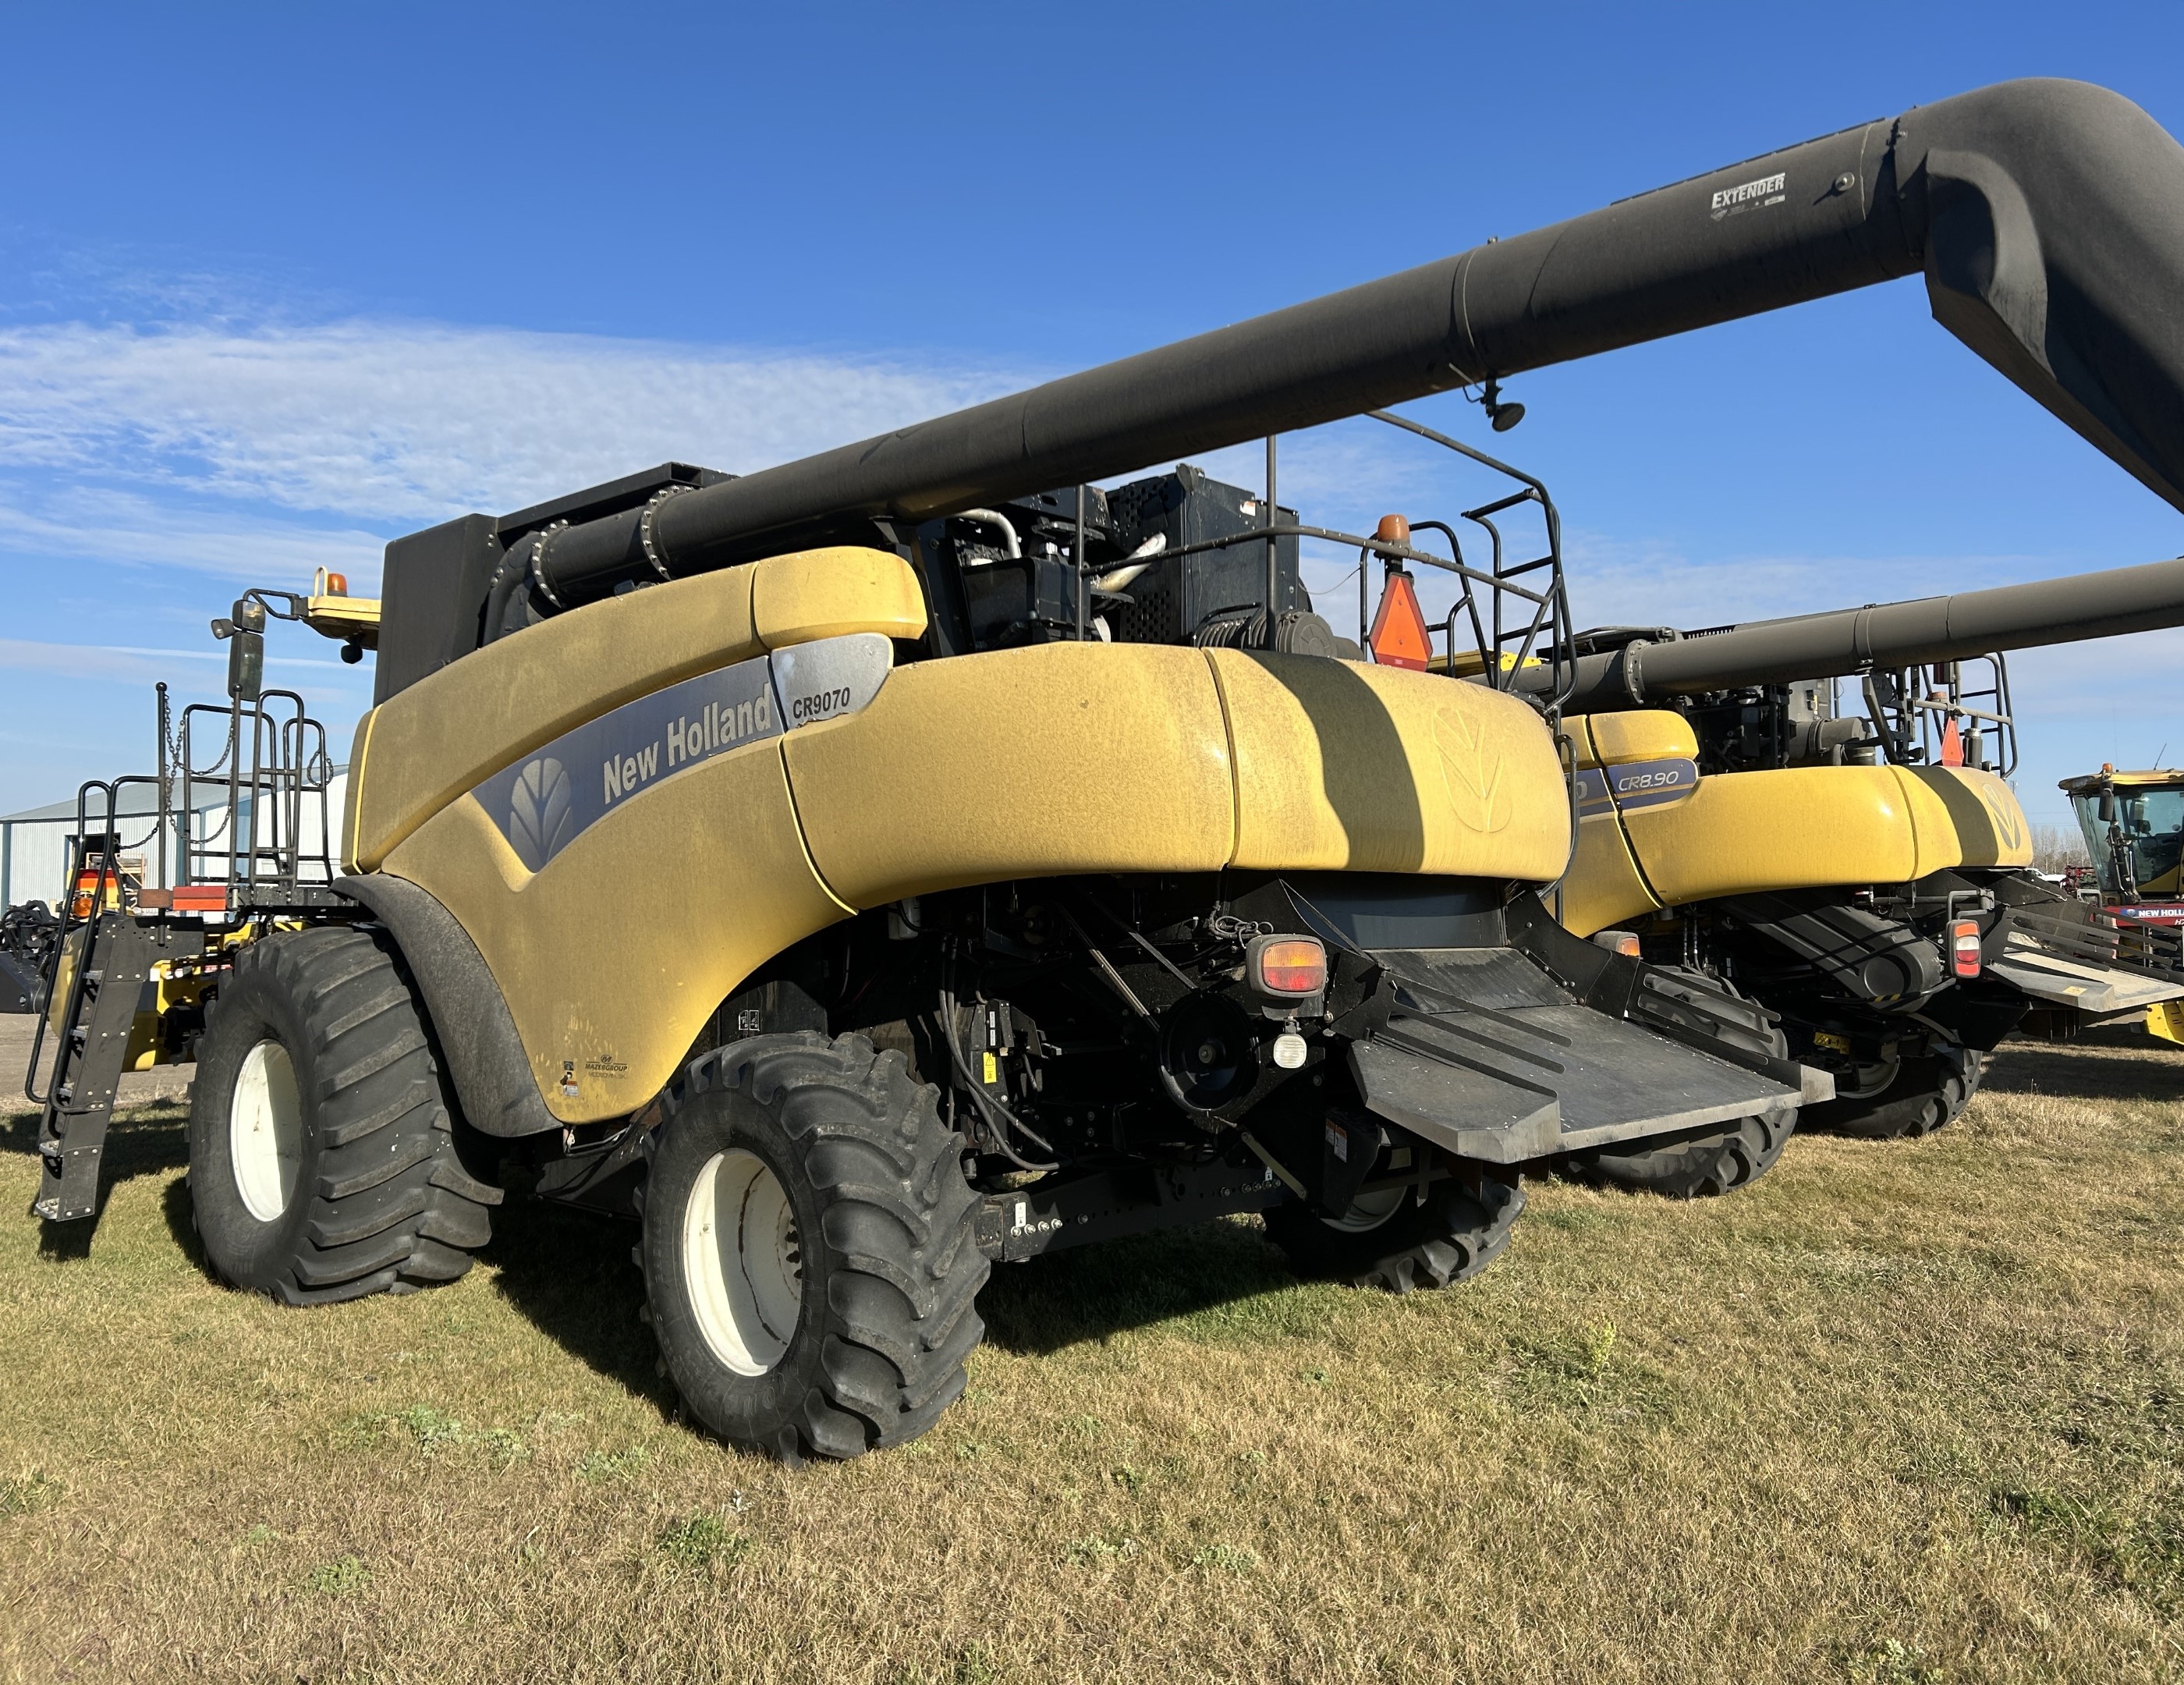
[538,817]
[544,802]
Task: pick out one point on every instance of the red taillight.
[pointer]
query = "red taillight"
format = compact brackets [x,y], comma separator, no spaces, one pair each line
[1964,947]
[1292,965]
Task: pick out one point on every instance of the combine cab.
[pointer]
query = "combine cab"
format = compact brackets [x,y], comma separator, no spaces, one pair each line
[2134,829]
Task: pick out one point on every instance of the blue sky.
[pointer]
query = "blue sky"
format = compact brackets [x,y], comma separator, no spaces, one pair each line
[279,283]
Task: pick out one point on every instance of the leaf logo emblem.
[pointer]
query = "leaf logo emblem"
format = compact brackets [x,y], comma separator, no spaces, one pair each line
[1472,772]
[2005,822]
[539,817]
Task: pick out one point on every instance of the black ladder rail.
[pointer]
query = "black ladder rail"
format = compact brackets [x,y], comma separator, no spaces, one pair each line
[92,1050]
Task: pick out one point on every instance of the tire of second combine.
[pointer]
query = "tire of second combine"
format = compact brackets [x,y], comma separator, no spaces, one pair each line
[1702,1166]
[323,1155]
[1716,1162]
[1451,1238]
[810,1257]
[1929,1092]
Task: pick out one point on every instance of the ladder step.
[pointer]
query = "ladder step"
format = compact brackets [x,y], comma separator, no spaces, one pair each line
[69,1191]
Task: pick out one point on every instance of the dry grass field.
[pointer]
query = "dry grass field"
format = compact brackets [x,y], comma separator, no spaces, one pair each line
[1899,1414]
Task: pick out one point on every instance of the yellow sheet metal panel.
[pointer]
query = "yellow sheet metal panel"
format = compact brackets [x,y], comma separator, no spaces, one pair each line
[1967,817]
[442,734]
[360,750]
[1019,763]
[433,741]
[614,956]
[828,593]
[1641,734]
[1344,766]
[1603,889]
[1800,826]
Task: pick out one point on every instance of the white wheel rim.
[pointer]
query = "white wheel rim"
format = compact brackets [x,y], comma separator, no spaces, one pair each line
[265,1130]
[1369,1211]
[743,1260]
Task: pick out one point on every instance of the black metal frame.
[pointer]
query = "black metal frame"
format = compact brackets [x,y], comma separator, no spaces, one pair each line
[1910,707]
[1505,642]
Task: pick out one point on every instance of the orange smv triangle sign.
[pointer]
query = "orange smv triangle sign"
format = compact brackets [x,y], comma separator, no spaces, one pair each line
[1400,638]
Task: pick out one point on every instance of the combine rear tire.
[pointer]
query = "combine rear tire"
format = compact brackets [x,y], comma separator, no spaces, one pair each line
[1929,1091]
[1700,1167]
[810,1255]
[1708,1164]
[322,1147]
[1389,1240]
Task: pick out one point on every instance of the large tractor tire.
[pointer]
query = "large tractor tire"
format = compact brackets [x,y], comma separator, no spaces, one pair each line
[1929,1091]
[810,1258]
[323,1161]
[1722,1159]
[1389,1240]
[1716,1162]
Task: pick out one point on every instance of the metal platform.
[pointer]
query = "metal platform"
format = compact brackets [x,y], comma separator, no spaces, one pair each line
[1485,1056]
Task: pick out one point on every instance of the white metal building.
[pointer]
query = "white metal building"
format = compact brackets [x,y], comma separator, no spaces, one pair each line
[37,846]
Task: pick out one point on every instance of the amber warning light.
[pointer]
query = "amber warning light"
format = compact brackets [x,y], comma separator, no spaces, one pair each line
[1292,965]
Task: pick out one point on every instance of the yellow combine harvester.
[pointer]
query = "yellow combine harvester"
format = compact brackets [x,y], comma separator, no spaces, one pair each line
[1863,873]
[1039,868]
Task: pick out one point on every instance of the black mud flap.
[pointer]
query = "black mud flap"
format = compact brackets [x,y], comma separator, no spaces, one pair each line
[1508,1054]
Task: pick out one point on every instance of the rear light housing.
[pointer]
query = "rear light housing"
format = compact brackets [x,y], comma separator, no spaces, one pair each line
[1288,974]
[1964,947]
[1624,942]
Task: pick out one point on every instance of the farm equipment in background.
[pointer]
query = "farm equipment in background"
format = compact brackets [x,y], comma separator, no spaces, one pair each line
[2133,825]
[1043,868]
[29,934]
[127,973]
[1864,872]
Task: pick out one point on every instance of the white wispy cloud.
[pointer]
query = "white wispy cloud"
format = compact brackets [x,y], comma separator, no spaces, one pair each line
[403,422]
[44,518]
[103,662]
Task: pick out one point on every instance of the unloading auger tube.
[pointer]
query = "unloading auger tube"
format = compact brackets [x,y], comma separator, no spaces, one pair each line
[1644,672]
[2046,216]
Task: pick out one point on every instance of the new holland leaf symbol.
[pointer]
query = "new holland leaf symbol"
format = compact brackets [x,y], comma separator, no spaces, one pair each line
[2005,822]
[538,812]
[1472,772]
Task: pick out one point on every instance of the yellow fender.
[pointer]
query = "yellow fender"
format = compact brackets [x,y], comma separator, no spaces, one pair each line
[1645,846]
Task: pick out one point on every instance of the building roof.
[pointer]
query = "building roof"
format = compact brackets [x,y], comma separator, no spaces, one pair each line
[138,801]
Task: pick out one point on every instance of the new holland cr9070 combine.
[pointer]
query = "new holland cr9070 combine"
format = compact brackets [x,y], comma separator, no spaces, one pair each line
[918,856]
